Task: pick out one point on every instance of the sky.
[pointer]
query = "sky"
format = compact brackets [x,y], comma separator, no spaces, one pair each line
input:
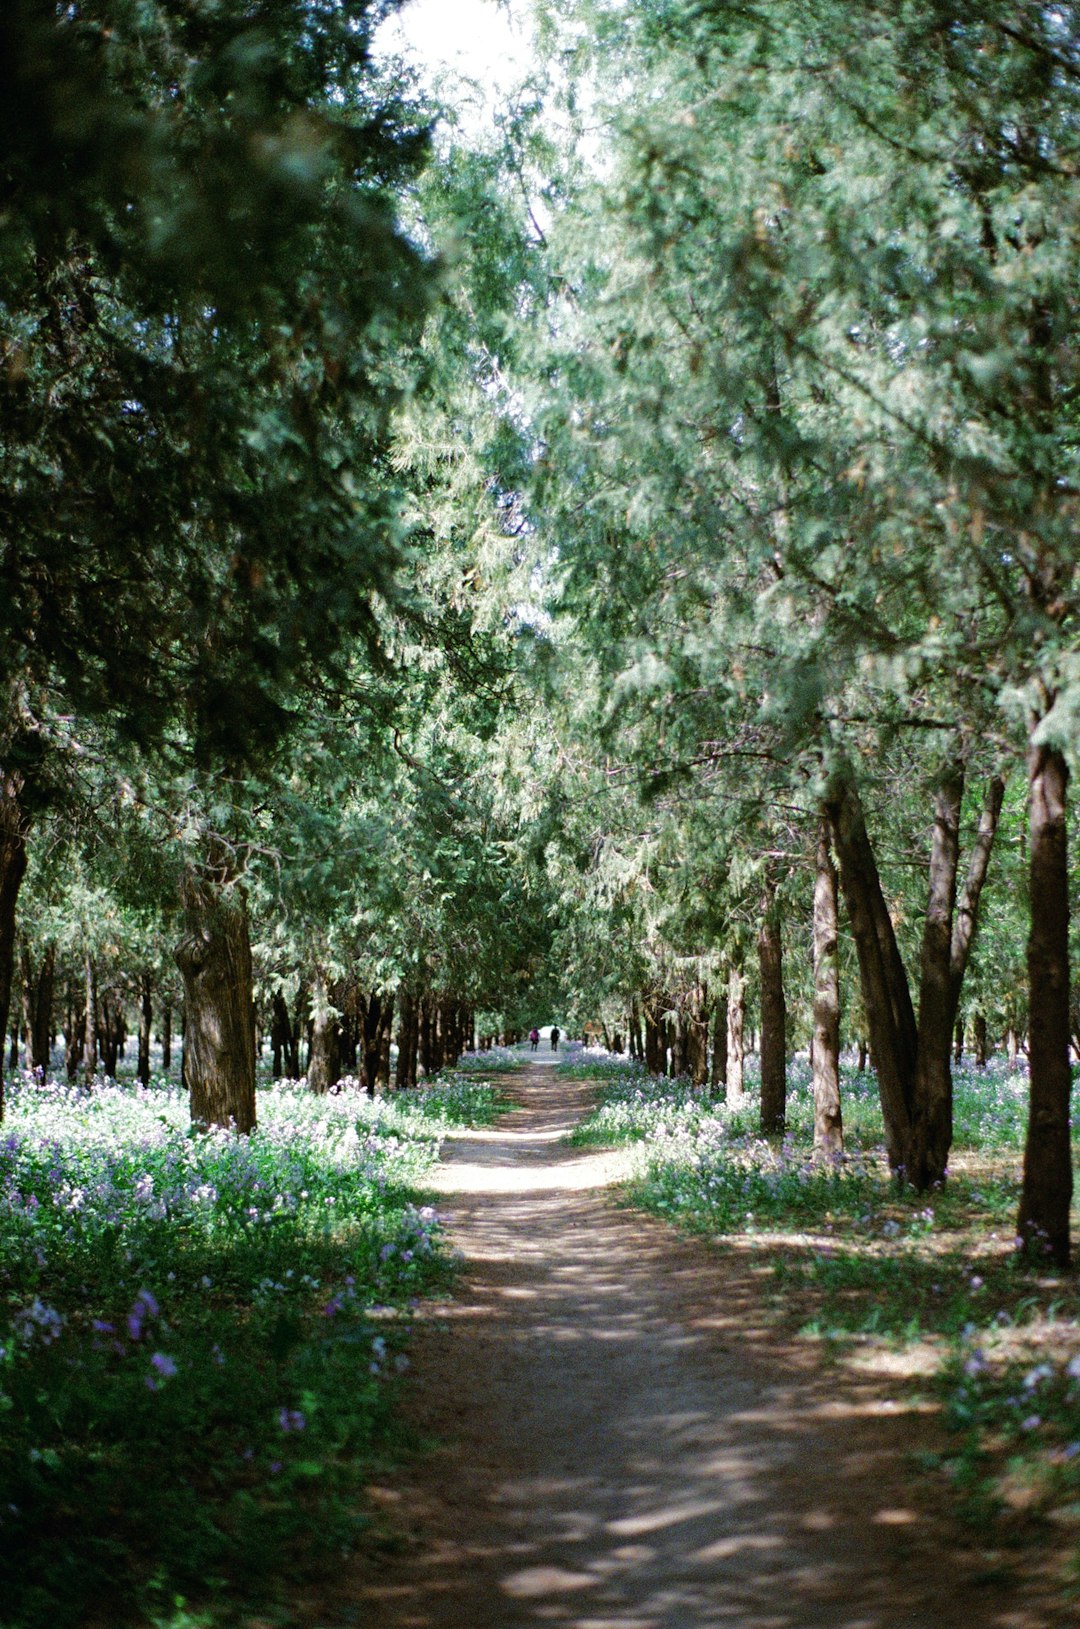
[474,38]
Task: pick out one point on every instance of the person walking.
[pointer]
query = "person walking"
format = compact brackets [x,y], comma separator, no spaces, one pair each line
[554,1037]
[534,1037]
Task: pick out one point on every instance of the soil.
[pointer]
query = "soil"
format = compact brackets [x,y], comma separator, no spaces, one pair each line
[623,1438]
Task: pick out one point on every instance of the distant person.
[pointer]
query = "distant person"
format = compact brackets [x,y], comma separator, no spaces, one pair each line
[554,1037]
[534,1037]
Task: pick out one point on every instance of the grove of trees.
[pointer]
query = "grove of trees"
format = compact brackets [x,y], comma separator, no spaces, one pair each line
[622,564]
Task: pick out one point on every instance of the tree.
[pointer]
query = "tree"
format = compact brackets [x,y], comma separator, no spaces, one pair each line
[207,306]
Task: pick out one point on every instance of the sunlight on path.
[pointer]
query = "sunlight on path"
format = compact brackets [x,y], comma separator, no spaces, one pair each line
[624,1439]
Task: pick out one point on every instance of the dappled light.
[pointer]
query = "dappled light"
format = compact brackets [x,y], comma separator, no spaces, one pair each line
[623,1441]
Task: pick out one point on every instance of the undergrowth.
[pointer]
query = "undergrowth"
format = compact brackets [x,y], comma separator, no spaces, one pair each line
[200,1337]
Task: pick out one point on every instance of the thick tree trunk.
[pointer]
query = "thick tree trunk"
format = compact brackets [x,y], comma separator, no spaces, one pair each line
[405,1074]
[214,958]
[655,1037]
[697,1052]
[13,831]
[773,1019]
[886,997]
[912,1060]
[146,1023]
[978,1035]
[825,1064]
[374,1020]
[736,1040]
[1046,1193]
[324,1060]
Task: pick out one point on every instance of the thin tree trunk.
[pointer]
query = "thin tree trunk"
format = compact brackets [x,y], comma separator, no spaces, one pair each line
[929,1138]
[90,1033]
[736,1023]
[146,1022]
[166,1036]
[1046,1193]
[886,997]
[386,1029]
[13,831]
[718,1072]
[825,1059]
[698,1037]
[214,958]
[773,1019]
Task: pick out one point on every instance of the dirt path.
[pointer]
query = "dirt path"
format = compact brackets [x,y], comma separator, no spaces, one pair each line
[627,1444]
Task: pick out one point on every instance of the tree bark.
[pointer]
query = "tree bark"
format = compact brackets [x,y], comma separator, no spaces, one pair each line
[773,1019]
[324,1059]
[214,958]
[655,1036]
[697,1050]
[736,1024]
[90,1032]
[718,1069]
[1046,1192]
[386,1029]
[825,1064]
[886,997]
[405,1075]
[978,1032]
[929,1135]
[146,1021]
[14,827]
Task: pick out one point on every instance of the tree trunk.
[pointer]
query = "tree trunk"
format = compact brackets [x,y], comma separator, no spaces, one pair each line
[324,1061]
[736,1023]
[425,1036]
[655,1038]
[386,1030]
[405,1074]
[697,1040]
[371,1044]
[773,1019]
[146,1021]
[680,1055]
[718,1073]
[280,1034]
[958,1042]
[886,997]
[13,831]
[1046,1193]
[214,958]
[90,1033]
[978,1035]
[913,1060]
[825,1059]
[166,1036]
[929,1136]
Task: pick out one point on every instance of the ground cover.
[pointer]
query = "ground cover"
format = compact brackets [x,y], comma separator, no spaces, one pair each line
[200,1337]
[929,1288]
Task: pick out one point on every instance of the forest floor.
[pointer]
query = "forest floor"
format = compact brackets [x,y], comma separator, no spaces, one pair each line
[622,1434]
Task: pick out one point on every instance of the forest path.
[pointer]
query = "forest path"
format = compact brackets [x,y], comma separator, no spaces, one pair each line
[626,1443]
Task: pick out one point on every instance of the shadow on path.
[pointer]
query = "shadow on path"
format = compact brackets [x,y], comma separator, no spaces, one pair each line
[625,1443]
